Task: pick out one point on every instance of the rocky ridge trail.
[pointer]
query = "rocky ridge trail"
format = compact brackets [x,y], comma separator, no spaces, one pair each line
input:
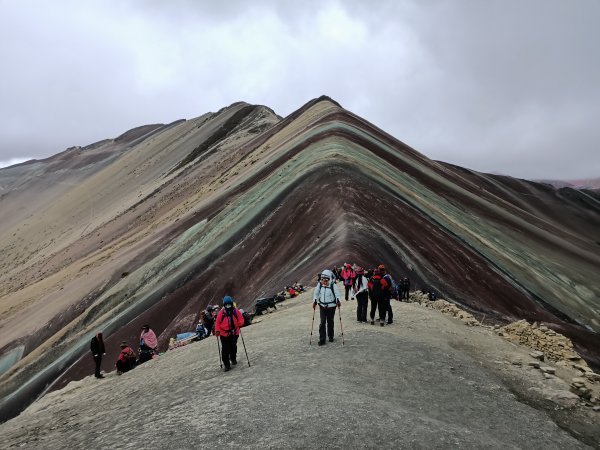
[426,381]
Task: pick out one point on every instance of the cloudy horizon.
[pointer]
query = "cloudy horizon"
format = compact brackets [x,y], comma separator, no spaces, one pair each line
[494,86]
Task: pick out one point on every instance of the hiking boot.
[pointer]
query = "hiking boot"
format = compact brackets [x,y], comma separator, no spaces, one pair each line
[234,361]
[226,369]
[382,323]
[321,342]
[99,376]
[372,322]
[331,339]
[389,323]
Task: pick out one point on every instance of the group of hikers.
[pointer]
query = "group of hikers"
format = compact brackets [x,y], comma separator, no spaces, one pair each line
[375,284]
[127,358]
[225,322]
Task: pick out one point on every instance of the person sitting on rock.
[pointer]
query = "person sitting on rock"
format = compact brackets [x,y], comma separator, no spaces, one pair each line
[327,296]
[148,344]
[227,328]
[126,360]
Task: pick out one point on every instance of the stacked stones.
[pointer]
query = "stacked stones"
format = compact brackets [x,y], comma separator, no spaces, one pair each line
[444,307]
[555,346]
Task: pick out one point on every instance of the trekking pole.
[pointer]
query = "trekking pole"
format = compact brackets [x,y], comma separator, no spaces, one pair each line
[219,347]
[341,327]
[244,344]
[312,326]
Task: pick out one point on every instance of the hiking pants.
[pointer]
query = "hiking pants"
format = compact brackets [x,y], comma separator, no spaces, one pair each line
[98,361]
[384,307]
[327,315]
[362,300]
[347,290]
[405,292]
[389,310]
[228,349]
[374,303]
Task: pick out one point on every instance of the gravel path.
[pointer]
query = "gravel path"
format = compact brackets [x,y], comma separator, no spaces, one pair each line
[427,381]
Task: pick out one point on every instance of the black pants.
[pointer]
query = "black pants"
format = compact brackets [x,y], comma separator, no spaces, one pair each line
[374,304]
[327,315]
[228,349]
[362,300]
[405,293]
[384,308]
[390,313]
[348,287]
[98,361]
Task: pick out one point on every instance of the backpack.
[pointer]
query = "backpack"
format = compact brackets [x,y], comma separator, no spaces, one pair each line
[376,291]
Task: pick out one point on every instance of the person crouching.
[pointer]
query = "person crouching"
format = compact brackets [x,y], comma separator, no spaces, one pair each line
[126,360]
[327,296]
[227,328]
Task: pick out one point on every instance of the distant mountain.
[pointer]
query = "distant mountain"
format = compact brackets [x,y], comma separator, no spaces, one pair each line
[153,226]
[588,183]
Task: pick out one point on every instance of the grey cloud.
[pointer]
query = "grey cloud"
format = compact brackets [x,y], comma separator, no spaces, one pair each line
[492,86]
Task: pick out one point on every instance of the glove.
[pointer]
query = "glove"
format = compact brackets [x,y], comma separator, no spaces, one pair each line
[314,306]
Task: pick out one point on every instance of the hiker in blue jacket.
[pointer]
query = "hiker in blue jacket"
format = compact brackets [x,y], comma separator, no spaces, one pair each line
[327,296]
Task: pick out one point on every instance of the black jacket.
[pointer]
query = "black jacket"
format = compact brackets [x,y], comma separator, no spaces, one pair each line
[97,346]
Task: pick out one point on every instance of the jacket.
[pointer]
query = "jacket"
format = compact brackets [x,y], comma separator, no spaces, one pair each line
[361,284]
[97,346]
[229,323]
[327,297]
[384,286]
[348,276]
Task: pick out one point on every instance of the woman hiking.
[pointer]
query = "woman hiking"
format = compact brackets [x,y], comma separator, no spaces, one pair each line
[227,329]
[327,296]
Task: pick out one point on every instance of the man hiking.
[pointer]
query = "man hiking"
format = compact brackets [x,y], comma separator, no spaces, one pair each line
[377,286]
[327,296]
[98,350]
[387,294]
[227,329]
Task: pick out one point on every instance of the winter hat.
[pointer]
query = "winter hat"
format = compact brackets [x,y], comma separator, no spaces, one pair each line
[227,300]
[360,271]
[381,267]
[327,274]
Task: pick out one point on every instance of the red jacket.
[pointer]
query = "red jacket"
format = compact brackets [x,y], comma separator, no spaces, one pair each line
[348,274]
[228,325]
[384,285]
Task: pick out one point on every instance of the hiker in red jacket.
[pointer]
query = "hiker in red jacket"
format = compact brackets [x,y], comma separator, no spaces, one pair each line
[348,277]
[227,328]
[377,286]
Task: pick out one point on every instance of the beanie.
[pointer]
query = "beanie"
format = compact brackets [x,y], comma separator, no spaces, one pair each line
[227,300]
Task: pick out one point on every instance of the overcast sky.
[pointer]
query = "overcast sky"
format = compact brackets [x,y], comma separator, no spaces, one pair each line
[497,86]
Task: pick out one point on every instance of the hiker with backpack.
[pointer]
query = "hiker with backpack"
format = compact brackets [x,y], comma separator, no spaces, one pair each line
[361,289]
[387,294]
[227,329]
[98,350]
[377,286]
[327,296]
[348,276]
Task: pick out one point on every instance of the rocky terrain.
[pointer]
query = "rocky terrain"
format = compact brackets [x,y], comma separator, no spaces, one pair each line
[153,225]
[430,380]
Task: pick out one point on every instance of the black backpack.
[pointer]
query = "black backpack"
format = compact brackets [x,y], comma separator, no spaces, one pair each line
[376,291]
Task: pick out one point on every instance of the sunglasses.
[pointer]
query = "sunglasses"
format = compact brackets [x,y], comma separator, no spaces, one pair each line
[324,279]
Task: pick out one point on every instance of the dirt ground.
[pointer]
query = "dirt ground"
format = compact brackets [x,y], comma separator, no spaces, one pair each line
[426,381]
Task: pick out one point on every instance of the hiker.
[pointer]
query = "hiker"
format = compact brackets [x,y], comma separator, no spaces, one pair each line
[327,296]
[348,276]
[98,350]
[126,360]
[377,285]
[208,318]
[227,329]
[361,289]
[336,274]
[148,344]
[387,294]
[405,288]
